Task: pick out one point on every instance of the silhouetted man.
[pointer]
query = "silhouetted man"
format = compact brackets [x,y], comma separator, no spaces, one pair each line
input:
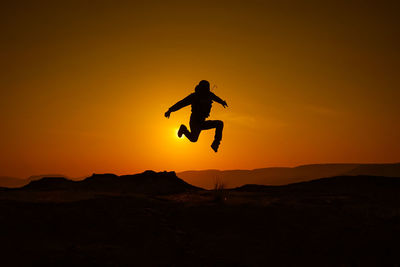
[201,101]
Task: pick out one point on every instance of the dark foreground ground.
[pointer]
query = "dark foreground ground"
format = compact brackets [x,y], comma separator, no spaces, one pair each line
[343,221]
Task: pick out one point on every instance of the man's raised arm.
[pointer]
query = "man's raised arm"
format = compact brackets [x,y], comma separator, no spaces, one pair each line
[219,100]
[181,104]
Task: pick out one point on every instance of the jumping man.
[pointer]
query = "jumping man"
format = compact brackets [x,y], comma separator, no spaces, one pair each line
[201,101]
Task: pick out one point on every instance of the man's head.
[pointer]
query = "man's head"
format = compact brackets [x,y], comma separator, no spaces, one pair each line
[203,86]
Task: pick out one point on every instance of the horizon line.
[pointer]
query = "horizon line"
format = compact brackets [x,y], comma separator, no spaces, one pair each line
[198,170]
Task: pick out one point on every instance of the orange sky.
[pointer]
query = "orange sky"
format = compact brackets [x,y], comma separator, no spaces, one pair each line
[84,84]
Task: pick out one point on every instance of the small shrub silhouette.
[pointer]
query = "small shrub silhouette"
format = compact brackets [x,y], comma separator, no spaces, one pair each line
[220,194]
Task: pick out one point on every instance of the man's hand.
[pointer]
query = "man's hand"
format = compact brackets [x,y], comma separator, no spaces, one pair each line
[167,114]
[224,104]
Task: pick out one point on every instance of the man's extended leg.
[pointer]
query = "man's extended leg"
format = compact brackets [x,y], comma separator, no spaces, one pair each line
[219,126]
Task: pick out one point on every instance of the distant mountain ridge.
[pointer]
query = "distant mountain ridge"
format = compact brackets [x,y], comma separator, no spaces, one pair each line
[6,181]
[286,175]
[38,177]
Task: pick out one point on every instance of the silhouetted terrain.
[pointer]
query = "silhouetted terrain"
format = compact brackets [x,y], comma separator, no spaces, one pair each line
[156,219]
[284,175]
[264,176]
[148,182]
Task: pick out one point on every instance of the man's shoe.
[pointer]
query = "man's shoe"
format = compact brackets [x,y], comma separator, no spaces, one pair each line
[181,129]
[215,145]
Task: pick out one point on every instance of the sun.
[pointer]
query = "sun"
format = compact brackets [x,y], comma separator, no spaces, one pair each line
[175,133]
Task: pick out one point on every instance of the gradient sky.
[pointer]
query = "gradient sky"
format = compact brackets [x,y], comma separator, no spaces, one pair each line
[84,84]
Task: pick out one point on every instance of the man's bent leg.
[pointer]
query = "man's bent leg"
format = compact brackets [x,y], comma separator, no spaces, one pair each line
[182,130]
[195,129]
[192,136]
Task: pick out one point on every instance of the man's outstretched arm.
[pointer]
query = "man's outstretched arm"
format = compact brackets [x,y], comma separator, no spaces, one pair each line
[181,104]
[219,100]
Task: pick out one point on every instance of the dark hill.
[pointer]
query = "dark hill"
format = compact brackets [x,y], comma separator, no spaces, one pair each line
[361,186]
[346,182]
[148,182]
[50,184]
[13,182]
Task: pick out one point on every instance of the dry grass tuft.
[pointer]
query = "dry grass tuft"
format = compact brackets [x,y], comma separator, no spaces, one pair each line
[220,193]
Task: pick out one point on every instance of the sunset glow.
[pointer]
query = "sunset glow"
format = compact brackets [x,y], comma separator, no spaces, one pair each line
[84,88]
